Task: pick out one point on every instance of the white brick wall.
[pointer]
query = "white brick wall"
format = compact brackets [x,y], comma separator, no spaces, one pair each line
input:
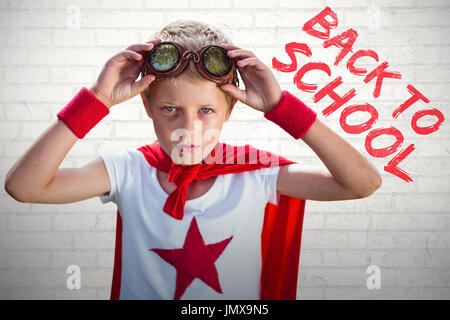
[403,228]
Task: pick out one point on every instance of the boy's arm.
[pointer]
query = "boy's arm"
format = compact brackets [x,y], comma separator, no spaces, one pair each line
[35,177]
[350,175]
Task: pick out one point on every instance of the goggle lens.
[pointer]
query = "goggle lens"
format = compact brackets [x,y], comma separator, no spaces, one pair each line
[164,57]
[216,61]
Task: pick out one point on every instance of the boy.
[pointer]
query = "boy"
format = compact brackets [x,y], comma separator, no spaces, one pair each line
[189,227]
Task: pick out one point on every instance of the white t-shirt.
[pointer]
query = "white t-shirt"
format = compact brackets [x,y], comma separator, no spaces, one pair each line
[232,207]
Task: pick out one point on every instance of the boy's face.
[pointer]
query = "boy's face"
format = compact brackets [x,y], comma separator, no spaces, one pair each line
[185,113]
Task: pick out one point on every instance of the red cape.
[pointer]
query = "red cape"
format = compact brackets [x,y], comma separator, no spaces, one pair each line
[282,228]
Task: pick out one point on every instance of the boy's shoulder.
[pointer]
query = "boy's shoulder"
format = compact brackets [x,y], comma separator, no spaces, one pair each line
[125,158]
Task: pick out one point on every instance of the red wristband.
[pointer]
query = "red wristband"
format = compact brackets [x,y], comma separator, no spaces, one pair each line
[292,115]
[83,112]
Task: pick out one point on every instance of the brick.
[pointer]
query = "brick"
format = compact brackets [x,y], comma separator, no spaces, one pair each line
[249,38]
[414,258]
[120,37]
[32,293]
[431,36]
[347,293]
[2,259]
[347,221]
[125,111]
[13,56]
[311,258]
[301,5]
[382,221]
[397,4]
[411,293]
[52,278]
[3,38]
[310,293]
[332,206]
[99,240]
[28,37]
[11,205]
[104,293]
[313,221]
[74,56]
[241,113]
[433,184]
[128,129]
[411,221]
[177,4]
[33,129]
[36,92]
[71,74]
[111,4]
[16,278]
[324,239]
[283,18]
[31,19]
[73,37]
[75,222]
[429,73]
[417,17]
[28,259]
[106,259]
[27,111]
[343,276]
[345,258]
[423,278]
[121,19]
[76,294]
[210,4]
[346,4]
[255,4]
[14,241]
[233,19]
[3,223]
[381,203]
[393,185]
[107,221]
[83,259]
[407,239]
[9,130]
[29,223]
[96,278]
[45,4]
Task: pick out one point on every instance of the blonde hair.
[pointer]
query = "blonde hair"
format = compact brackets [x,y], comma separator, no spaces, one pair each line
[192,35]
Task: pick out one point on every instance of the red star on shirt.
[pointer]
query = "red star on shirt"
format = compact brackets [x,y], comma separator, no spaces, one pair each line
[194,260]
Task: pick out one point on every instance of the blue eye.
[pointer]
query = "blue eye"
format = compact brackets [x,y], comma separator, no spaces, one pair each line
[169,108]
[210,110]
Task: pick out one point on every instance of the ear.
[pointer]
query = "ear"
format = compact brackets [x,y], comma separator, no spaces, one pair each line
[144,101]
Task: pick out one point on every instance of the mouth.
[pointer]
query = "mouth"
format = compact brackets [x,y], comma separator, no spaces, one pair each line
[187,147]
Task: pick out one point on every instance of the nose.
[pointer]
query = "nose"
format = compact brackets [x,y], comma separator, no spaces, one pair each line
[192,126]
[189,120]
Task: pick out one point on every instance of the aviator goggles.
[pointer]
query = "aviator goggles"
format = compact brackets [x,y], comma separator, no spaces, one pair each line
[168,59]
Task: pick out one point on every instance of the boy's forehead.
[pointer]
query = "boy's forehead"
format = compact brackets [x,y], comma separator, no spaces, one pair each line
[203,94]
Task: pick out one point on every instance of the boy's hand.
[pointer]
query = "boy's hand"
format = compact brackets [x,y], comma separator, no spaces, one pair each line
[262,91]
[116,83]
